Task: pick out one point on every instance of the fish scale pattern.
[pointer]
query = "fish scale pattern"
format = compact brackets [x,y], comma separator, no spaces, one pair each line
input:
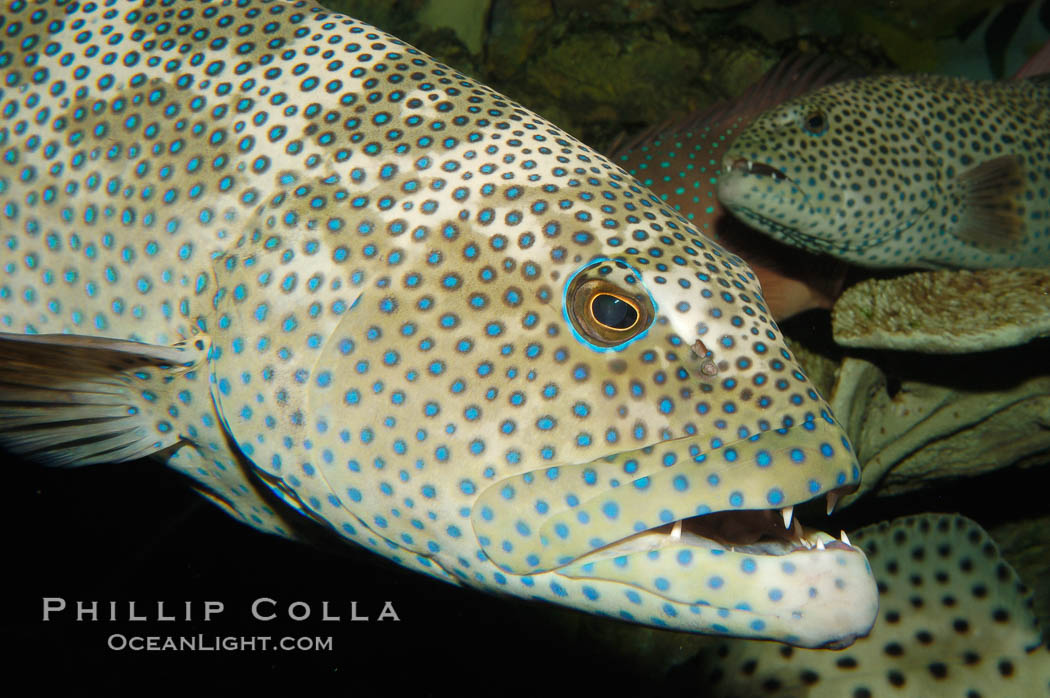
[404,280]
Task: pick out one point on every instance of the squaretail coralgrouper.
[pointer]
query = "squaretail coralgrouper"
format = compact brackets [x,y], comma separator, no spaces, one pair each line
[901,171]
[324,275]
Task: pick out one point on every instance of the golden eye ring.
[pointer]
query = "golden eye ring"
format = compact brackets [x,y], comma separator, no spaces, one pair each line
[621,314]
[606,315]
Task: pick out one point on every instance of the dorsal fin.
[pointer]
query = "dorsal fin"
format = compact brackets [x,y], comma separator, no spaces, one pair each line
[794,75]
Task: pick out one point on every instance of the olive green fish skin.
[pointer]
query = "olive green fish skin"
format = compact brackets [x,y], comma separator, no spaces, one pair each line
[902,171]
[348,275]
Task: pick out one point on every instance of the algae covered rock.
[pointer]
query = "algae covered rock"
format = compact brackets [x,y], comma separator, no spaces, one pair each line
[515,27]
[584,74]
[945,312]
[973,415]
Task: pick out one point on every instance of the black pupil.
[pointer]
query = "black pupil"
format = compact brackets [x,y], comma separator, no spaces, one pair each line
[815,122]
[613,312]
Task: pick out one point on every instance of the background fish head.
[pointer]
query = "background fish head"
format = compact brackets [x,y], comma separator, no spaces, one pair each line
[843,170]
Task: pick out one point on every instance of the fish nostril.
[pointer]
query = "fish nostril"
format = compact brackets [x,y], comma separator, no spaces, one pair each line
[707,364]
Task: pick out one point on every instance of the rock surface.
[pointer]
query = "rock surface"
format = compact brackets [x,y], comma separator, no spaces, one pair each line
[945,312]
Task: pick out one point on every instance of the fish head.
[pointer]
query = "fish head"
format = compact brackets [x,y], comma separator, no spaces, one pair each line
[468,342]
[842,170]
[688,429]
[571,394]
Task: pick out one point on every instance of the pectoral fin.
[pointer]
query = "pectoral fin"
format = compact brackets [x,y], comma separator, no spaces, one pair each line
[990,216]
[75,400]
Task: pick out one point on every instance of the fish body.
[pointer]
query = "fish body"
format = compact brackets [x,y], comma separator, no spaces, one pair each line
[330,279]
[682,164]
[901,171]
[954,619]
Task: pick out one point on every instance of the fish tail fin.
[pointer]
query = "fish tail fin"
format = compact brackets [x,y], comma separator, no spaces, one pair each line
[70,400]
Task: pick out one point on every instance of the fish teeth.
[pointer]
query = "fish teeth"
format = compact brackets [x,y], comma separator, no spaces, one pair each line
[820,544]
[676,530]
[844,538]
[787,513]
[833,499]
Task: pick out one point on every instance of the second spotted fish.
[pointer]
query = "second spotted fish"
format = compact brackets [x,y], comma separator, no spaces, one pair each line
[330,279]
[902,171]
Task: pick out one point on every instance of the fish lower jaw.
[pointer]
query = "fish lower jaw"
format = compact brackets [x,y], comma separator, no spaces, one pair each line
[768,532]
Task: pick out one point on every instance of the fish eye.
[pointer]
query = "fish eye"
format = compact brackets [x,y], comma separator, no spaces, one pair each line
[815,123]
[613,311]
[605,314]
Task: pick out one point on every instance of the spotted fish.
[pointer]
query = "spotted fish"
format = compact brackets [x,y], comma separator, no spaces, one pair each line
[955,620]
[331,279]
[901,171]
[681,163]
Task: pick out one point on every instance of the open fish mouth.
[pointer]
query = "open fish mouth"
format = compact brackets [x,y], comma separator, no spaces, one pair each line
[767,199]
[694,532]
[743,166]
[682,561]
[752,532]
[734,498]
[706,537]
